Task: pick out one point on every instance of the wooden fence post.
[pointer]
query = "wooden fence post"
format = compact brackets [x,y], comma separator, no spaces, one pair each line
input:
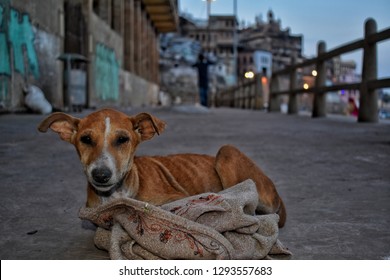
[319,105]
[292,98]
[274,102]
[368,109]
[247,97]
[258,92]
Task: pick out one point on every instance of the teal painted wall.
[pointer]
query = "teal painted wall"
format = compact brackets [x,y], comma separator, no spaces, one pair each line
[16,32]
[106,73]
[21,35]
[17,52]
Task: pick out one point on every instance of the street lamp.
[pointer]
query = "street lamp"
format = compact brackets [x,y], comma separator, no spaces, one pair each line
[208,22]
[249,75]
[235,42]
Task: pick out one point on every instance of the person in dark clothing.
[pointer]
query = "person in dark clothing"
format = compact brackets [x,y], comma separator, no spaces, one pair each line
[203,78]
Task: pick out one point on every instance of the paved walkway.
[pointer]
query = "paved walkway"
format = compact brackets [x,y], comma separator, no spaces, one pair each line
[333,173]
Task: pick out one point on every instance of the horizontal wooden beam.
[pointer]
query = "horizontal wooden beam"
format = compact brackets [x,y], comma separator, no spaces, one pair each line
[350,47]
[155,2]
[374,84]
[158,9]
[163,14]
[161,17]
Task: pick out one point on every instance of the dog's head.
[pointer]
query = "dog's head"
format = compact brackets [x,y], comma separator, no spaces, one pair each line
[105,142]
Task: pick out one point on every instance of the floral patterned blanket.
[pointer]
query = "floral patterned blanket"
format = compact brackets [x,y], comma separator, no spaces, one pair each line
[206,226]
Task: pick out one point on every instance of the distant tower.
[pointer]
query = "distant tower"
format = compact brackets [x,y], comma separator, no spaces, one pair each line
[270,16]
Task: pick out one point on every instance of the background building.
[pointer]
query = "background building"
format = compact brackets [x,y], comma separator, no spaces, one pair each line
[269,36]
[216,37]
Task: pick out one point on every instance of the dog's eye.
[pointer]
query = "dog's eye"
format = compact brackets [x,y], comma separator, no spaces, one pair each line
[86,140]
[121,140]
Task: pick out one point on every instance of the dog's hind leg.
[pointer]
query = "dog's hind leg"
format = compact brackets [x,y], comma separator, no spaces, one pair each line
[234,167]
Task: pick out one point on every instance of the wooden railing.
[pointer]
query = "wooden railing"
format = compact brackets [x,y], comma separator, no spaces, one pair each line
[247,95]
[250,94]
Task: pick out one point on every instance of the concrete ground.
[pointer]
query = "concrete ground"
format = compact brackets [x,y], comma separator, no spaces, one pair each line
[333,174]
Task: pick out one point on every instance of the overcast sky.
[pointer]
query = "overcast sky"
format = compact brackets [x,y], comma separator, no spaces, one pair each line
[334,21]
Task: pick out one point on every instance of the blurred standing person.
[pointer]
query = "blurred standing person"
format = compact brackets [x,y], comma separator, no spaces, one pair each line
[203,78]
[352,107]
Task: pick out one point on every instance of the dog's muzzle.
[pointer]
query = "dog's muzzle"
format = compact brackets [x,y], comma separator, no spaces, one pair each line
[101,176]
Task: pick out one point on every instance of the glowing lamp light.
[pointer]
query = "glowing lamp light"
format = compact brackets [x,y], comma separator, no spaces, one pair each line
[305,86]
[249,75]
[314,73]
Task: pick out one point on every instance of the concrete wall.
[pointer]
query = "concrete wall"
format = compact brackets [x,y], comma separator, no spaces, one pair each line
[31,39]
[109,84]
[33,34]
[137,92]
[105,55]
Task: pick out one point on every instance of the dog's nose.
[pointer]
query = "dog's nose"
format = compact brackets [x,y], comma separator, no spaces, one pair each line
[101,175]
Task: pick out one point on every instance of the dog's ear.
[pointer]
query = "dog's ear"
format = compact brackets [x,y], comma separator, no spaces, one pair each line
[147,125]
[65,125]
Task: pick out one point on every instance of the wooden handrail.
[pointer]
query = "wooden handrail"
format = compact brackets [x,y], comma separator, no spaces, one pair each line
[369,84]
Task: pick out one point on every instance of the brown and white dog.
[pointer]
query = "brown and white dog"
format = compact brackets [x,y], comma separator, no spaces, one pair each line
[106,142]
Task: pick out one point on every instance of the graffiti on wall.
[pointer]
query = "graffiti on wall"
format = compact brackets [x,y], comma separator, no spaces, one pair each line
[21,36]
[4,52]
[17,52]
[106,73]
[16,32]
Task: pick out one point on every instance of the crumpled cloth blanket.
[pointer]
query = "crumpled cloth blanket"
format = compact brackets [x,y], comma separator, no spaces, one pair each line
[206,226]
